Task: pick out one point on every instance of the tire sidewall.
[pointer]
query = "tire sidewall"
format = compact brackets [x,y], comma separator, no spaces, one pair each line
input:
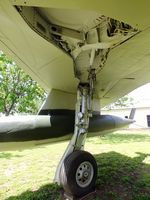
[71,165]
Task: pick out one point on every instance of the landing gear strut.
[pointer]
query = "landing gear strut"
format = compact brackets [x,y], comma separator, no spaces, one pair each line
[77,170]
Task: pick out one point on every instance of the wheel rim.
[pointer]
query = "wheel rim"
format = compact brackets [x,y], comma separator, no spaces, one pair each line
[84,174]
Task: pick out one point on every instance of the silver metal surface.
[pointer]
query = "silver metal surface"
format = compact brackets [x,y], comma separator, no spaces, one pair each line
[82,114]
[84,174]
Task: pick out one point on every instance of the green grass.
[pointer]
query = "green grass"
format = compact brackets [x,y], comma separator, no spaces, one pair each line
[123,168]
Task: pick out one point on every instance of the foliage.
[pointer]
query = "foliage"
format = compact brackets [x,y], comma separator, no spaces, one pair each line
[123,102]
[18,92]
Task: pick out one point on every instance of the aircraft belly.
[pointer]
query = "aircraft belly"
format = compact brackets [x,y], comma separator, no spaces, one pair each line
[127,63]
[132,12]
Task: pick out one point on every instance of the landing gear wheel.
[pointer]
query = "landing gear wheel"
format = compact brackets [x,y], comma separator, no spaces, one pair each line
[80,171]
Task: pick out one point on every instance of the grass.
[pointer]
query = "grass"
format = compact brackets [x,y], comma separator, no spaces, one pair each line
[123,168]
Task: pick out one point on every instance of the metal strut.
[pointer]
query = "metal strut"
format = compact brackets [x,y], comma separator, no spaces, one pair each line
[83,110]
[82,114]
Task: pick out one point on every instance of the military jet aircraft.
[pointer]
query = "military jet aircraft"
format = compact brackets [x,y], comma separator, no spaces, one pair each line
[86,54]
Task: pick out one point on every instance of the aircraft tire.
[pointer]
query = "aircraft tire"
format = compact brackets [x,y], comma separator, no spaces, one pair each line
[80,173]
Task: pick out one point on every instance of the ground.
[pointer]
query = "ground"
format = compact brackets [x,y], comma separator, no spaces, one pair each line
[123,161]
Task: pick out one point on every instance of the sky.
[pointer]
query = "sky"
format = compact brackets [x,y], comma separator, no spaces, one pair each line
[141,95]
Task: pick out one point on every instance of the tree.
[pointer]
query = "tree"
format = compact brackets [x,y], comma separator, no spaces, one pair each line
[18,92]
[123,102]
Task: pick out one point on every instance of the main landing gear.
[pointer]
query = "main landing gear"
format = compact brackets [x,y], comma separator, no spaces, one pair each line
[80,172]
[77,170]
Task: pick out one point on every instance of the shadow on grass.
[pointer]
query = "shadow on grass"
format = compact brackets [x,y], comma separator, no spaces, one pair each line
[46,192]
[8,155]
[123,178]
[119,178]
[122,138]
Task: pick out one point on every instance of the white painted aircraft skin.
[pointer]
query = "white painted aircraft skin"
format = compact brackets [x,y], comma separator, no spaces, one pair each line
[127,64]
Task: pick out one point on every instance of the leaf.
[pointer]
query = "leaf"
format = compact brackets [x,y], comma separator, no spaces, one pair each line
[18,92]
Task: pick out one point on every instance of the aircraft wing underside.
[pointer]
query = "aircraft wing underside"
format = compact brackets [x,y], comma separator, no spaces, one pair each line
[56,43]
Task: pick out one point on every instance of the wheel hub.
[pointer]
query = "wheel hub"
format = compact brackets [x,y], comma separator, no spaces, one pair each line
[84,174]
